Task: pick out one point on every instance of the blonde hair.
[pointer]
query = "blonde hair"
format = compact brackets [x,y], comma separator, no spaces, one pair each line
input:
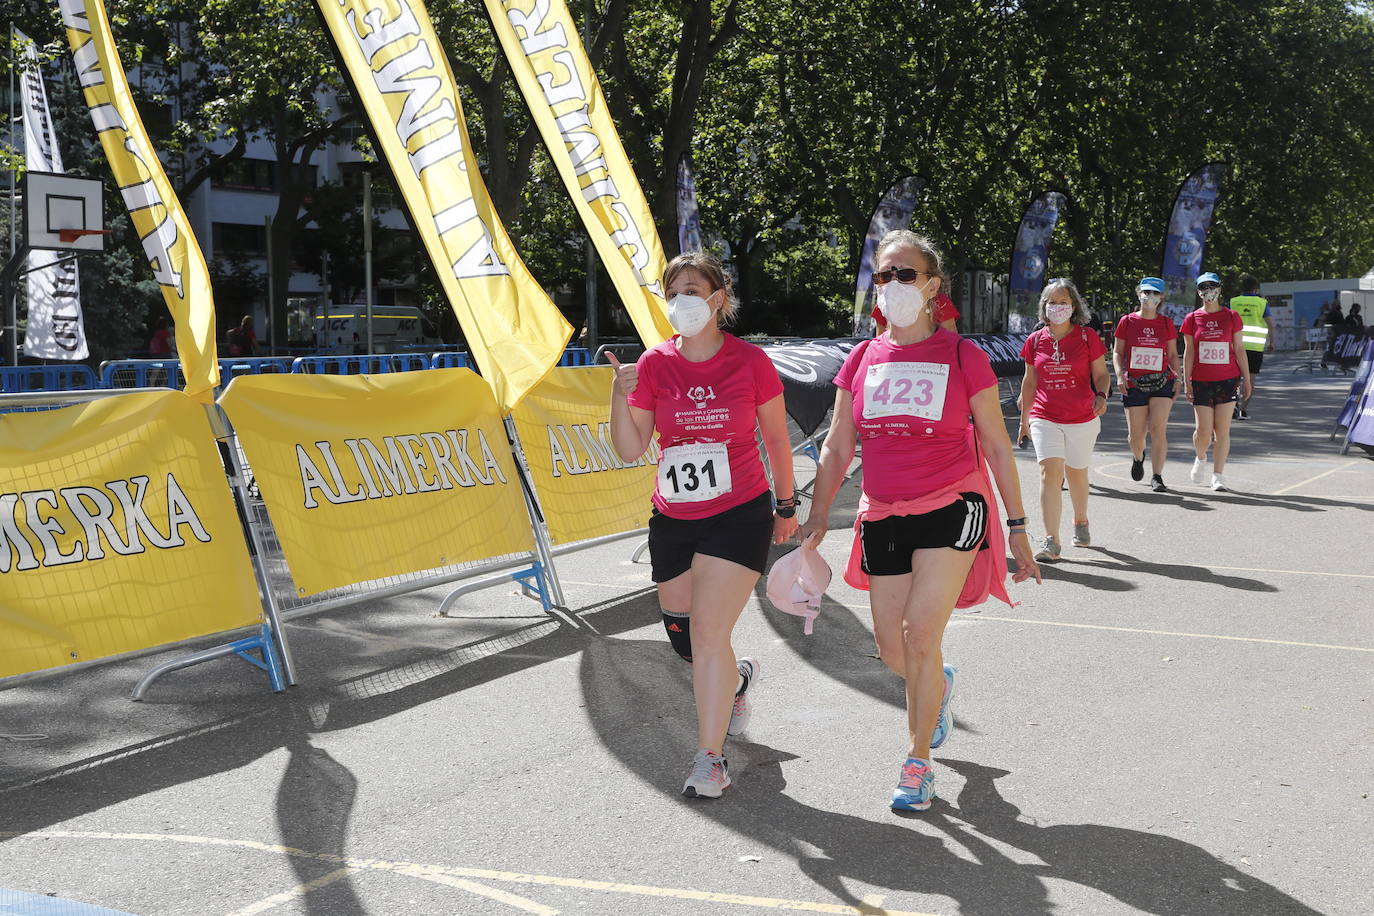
[905,238]
[709,266]
[1080,308]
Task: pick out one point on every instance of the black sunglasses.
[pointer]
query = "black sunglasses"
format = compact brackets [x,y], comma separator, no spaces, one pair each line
[904,274]
[1206,286]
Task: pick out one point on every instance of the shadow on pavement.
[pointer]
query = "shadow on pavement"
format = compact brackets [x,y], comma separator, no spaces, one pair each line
[1184,571]
[316,795]
[627,683]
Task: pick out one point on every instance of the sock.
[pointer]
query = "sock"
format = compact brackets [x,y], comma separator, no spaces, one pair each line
[679,628]
[743,684]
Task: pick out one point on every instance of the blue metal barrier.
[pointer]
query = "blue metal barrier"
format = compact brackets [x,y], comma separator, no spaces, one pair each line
[341,365]
[230,369]
[76,377]
[458,360]
[576,356]
[408,362]
[141,373]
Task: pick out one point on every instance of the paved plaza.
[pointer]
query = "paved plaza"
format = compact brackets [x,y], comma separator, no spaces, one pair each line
[1179,721]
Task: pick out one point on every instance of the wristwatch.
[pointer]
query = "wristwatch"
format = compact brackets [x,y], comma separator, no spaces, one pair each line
[785,508]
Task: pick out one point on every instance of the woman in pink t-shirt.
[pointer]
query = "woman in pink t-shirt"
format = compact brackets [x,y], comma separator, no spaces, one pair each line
[927,535]
[1212,373]
[1063,395]
[1146,361]
[706,393]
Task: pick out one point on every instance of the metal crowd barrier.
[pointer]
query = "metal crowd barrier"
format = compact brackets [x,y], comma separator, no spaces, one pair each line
[533,570]
[267,640]
[141,373]
[360,365]
[75,377]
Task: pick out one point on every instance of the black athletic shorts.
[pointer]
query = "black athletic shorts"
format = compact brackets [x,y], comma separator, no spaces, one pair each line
[1134,397]
[740,535]
[1256,359]
[889,542]
[1210,394]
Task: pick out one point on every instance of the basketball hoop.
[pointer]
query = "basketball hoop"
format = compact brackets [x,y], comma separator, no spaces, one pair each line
[67,236]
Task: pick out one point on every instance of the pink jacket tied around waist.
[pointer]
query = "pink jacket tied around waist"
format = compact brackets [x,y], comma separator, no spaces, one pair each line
[988,576]
[797,582]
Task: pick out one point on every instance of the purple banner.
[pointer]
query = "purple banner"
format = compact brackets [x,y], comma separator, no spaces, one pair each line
[893,212]
[1186,242]
[1361,430]
[1029,258]
[688,216]
[1352,400]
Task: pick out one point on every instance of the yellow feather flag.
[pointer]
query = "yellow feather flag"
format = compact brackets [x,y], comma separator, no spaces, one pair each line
[171,248]
[565,98]
[402,80]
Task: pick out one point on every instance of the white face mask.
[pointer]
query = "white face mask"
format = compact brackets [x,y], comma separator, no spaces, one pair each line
[688,314]
[902,302]
[1058,312]
[1210,295]
[1151,298]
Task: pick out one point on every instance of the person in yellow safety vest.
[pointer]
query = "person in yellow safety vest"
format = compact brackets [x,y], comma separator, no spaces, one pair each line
[1257,334]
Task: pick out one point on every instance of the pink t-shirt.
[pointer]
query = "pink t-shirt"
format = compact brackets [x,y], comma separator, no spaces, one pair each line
[911,409]
[1063,373]
[1147,342]
[706,414]
[1213,335]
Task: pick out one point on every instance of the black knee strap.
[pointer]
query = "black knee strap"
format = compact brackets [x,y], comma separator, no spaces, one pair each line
[679,627]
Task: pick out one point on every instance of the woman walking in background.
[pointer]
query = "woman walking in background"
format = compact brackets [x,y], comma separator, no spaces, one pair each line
[1063,395]
[1212,373]
[1147,366]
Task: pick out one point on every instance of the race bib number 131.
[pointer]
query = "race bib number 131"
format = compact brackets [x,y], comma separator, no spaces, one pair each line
[694,473]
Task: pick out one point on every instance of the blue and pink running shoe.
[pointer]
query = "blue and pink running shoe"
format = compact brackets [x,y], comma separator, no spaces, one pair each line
[945,724]
[916,787]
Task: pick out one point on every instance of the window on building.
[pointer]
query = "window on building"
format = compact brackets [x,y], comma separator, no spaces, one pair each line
[249,174]
[237,238]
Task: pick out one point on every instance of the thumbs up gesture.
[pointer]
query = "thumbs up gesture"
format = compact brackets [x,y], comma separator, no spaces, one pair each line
[626,375]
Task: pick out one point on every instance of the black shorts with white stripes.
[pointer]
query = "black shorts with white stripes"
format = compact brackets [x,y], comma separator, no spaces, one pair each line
[888,543]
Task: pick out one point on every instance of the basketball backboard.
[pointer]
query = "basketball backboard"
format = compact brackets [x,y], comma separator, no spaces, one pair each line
[63,212]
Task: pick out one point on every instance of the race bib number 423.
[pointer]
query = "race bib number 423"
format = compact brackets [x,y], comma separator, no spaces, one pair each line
[1214,352]
[905,390]
[694,473]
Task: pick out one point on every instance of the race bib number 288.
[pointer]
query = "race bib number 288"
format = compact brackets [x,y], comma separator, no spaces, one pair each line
[906,390]
[694,473]
[1214,352]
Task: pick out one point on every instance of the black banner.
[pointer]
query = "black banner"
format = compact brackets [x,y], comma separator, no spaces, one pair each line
[808,369]
[1344,350]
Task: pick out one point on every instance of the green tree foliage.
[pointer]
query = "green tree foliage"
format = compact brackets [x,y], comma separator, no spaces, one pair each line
[798,116]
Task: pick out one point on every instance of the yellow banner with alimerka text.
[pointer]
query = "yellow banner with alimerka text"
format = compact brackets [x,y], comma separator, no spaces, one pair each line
[367,476]
[585,490]
[117,532]
[168,243]
[566,101]
[402,80]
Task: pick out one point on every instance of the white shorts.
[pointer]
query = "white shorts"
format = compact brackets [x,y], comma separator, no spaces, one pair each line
[1071,441]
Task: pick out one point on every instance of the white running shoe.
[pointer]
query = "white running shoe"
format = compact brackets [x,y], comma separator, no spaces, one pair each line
[1199,472]
[1219,484]
[739,716]
[710,776]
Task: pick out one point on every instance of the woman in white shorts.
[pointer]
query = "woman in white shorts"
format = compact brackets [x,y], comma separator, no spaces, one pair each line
[1063,395]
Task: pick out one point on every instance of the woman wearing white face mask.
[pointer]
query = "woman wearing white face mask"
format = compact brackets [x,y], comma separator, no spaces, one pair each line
[928,538]
[1063,395]
[1147,365]
[706,392]
[1213,339]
